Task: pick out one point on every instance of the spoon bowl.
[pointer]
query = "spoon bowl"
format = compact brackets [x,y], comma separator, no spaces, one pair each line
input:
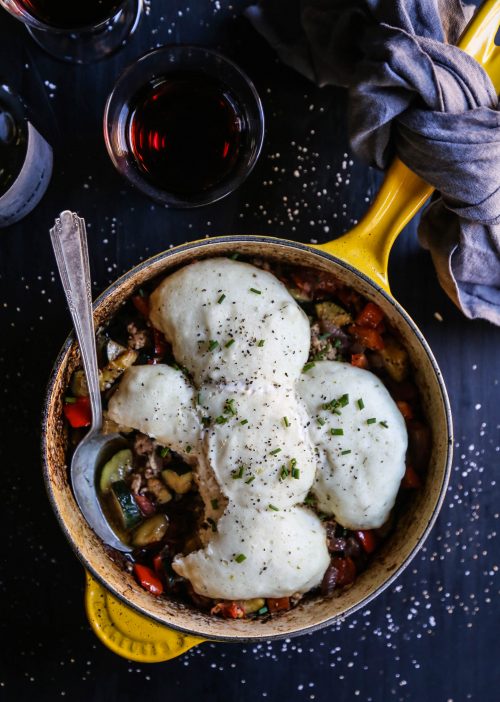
[69,241]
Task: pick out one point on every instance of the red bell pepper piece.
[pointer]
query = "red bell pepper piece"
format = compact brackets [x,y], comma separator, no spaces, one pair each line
[359,360]
[411,479]
[278,604]
[144,504]
[367,539]
[147,579]
[141,304]
[367,336]
[78,412]
[370,316]
[346,570]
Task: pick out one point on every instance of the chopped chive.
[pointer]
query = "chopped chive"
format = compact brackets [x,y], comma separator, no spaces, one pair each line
[164,451]
[212,524]
[360,403]
[240,558]
[337,343]
[189,449]
[244,421]
[212,344]
[308,366]
[286,422]
[384,424]
[324,336]
[320,421]
[337,432]
[372,420]
[221,420]
[198,399]
[257,292]
[250,480]
[344,400]
[229,407]
[274,452]
[214,503]
[344,453]
[221,299]
[263,610]
[261,342]
[70,400]
[295,473]
[283,472]
[310,501]
[229,343]
[274,508]
[206,421]
[237,474]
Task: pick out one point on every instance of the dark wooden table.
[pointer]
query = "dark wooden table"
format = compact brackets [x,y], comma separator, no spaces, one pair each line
[432,636]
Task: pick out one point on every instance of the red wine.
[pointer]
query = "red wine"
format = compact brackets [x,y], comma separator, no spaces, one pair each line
[185,132]
[71,14]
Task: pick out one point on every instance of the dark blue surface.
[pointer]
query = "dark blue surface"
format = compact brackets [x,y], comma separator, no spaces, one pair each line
[432,636]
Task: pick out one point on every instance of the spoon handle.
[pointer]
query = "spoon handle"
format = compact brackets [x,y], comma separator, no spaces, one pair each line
[69,241]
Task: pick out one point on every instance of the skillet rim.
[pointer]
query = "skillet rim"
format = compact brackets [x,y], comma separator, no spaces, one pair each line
[263,239]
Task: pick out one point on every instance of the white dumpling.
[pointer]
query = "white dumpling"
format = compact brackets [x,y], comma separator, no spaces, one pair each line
[230,321]
[158,401]
[360,469]
[256,436]
[259,554]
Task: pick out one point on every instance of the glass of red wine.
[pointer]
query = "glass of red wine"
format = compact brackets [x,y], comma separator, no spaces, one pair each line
[79,32]
[184,125]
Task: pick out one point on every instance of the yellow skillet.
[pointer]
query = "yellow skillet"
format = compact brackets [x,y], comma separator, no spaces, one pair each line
[367,248]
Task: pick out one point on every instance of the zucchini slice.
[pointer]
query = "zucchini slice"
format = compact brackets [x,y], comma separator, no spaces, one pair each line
[151,531]
[125,507]
[115,469]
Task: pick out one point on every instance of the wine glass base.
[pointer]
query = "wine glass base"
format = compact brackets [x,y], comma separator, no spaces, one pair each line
[91,45]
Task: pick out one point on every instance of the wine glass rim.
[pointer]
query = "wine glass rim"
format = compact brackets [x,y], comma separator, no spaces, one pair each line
[217,192]
[25,16]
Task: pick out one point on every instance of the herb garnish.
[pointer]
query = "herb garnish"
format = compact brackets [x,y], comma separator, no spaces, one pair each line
[221,299]
[229,343]
[212,344]
[372,420]
[221,420]
[237,474]
[274,508]
[360,403]
[274,452]
[257,292]
[337,432]
[240,558]
[308,366]
[286,422]
[214,503]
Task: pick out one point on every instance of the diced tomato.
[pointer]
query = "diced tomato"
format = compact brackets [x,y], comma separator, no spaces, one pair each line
[160,345]
[278,604]
[144,504]
[141,304]
[405,408]
[147,579]
[314,283]
[411,479]
[78,412]
[229,610]
[359,360]
[370,316]
[346,570]
[367,539]
[158,564]
[367,336]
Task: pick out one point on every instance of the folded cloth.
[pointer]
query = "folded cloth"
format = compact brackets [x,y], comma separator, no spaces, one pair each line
[413,93]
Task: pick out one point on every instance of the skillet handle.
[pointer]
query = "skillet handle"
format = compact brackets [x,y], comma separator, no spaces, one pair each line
[129,634]
[368,244]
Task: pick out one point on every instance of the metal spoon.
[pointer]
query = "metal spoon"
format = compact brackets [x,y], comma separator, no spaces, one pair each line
[69,241]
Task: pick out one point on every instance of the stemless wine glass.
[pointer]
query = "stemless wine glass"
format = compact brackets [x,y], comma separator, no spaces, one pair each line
[185,125]
[78,32]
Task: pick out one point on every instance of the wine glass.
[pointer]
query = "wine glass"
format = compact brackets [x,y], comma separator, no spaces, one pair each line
[185,125]
[78,31]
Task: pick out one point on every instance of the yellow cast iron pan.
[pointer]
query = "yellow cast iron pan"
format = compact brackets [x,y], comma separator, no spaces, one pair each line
[133,623]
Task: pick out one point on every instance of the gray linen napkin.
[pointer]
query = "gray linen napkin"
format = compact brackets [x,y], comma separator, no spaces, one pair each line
[413,93]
